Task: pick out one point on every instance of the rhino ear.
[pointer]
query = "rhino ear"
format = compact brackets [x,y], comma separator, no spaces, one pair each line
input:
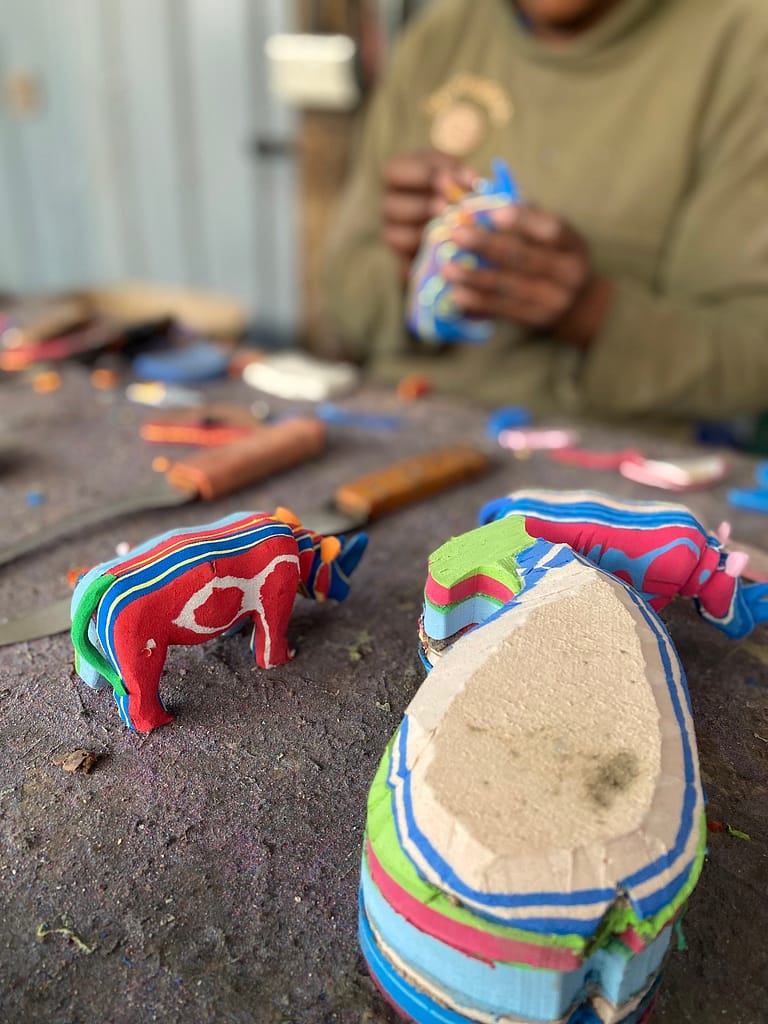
[286,516]
[352,552]
[329,549]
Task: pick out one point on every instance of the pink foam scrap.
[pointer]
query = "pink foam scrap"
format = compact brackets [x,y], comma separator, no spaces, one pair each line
[537,439]
[635,942]
[589,459]
[468,940]
[438,594]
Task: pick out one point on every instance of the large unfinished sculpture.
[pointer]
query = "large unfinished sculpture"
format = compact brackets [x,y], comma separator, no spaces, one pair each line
[537,821]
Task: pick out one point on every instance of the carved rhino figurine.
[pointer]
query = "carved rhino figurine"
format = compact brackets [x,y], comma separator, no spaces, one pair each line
[188,586]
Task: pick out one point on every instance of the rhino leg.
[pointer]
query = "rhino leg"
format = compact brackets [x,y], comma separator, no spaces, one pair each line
[269,642]
[141,670]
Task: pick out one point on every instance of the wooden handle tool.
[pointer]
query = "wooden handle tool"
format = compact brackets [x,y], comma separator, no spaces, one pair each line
[408,481]
[214,474]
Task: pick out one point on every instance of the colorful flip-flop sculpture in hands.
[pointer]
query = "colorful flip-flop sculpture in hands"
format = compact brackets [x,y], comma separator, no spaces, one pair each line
[537,822]
[191,585]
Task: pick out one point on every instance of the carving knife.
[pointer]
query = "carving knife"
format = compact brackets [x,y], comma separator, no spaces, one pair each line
[205,475]
[355,504]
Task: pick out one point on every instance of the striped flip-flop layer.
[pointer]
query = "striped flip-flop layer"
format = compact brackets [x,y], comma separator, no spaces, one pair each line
[402,990]
[451,609]
[504,989]
[656,867]
[463,919]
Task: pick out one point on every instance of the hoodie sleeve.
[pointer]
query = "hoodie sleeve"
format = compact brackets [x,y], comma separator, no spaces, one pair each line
[696,345]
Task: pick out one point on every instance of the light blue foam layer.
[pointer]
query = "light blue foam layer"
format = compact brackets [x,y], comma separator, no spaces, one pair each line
[419,1007]
[491,988]
[535,993]
[620,979]
[439,625]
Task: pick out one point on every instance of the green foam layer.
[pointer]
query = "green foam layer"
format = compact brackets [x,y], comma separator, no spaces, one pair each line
[491,549]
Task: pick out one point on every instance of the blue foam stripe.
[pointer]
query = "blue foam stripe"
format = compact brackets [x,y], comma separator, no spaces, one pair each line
[122,706]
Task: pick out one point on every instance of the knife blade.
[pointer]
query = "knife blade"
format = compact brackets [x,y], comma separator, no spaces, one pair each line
[49,621]
[355,504]
[205,476]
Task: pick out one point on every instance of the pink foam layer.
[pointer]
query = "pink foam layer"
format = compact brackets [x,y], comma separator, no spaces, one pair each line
[470,941]
[438,594]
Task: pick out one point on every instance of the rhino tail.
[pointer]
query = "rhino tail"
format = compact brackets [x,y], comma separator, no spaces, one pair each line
[81,641]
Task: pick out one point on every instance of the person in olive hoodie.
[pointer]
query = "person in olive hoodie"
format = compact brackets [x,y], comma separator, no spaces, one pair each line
[633,279]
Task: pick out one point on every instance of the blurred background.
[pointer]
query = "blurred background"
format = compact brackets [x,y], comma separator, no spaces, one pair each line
[196,143]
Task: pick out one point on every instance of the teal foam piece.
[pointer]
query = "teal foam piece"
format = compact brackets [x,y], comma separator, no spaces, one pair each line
[439,625]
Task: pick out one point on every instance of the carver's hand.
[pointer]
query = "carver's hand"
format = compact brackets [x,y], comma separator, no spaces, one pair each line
[541,275]
[417,187]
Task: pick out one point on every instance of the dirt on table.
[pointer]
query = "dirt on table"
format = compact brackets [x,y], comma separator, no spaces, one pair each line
[208,872]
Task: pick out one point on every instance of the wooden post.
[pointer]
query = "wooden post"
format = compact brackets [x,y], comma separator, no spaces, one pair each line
[325,152]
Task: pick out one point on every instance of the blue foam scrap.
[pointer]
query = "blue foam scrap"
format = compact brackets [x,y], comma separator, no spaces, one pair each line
[199,361]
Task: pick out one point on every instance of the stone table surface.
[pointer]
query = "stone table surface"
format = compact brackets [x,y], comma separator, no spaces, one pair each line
[208,872]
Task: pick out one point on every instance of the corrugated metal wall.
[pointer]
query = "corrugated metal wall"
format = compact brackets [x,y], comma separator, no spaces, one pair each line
[135,157]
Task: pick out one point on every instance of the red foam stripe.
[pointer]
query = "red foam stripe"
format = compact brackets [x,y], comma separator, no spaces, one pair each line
[468,940]
[635,943]
[478,584]
[649,1011]
[179,542]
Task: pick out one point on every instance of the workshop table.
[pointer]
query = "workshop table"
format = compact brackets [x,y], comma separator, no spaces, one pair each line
[208,872]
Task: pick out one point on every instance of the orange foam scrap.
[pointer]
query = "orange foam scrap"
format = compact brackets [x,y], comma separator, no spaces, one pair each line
[285,515]
[329,548]
[104,379]
[44,383]
[415,385]
[74,574]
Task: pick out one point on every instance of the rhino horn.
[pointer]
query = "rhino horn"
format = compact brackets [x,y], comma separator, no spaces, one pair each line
[352,552]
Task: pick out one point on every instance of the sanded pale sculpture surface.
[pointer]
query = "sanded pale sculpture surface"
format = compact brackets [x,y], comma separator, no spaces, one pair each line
[545,750]
[531,754]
